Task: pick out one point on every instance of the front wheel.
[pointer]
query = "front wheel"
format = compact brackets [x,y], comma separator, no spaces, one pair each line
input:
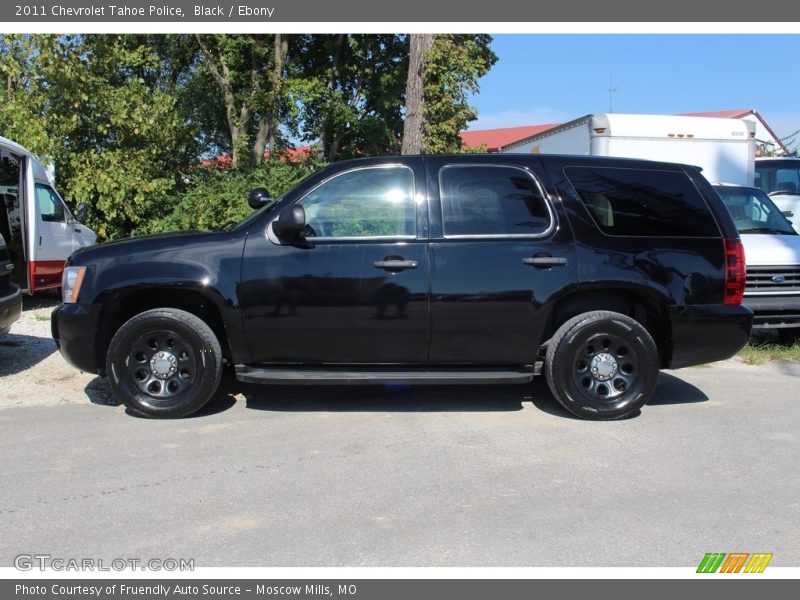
[164,363]
[602,365]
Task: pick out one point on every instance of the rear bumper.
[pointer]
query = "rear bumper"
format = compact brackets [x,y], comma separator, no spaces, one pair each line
[10,307]
[74,328]
[774,312]
[706,333]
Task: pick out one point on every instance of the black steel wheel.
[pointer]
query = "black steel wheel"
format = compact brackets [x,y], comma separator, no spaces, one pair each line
[164,363]
[602,365]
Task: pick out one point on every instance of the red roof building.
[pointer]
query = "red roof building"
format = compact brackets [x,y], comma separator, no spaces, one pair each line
[495,139]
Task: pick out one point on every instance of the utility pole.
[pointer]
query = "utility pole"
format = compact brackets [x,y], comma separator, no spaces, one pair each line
[611,89]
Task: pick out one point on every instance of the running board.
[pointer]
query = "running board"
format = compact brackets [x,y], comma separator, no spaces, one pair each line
[330,375]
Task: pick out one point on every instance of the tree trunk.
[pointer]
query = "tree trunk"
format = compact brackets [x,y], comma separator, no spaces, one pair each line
[268,123]
[332,81]
[413,142]
[237,124]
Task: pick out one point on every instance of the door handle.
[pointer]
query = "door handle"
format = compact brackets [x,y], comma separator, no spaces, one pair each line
[392,264]
[545,261]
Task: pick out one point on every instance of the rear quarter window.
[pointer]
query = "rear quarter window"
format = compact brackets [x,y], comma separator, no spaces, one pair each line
[642,202]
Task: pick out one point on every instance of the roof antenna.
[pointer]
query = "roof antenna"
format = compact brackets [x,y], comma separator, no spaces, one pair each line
[611,89]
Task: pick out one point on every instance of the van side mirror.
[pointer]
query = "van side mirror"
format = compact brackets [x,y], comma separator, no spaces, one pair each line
[788,214]
[81,213]
[258,197]
[290,222]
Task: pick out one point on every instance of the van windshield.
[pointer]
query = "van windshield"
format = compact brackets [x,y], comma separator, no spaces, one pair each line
[779,177]
[753,211]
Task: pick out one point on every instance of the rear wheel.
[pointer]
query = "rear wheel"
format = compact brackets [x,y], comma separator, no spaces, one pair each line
[602,365]
[164,363]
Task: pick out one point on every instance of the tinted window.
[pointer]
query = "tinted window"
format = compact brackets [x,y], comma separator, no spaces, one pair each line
[50,205]
[782,177]
[363,203]
[486,200]
[639,202]
[753,211]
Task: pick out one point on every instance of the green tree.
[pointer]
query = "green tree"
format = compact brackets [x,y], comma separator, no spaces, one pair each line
[94,105]
[453,66]
[349,93]
[248,71]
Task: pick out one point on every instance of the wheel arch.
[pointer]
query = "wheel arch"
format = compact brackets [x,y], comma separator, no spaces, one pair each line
[124,305]
[639,304]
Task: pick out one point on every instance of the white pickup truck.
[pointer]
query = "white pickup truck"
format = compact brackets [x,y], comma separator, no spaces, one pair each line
[772,256]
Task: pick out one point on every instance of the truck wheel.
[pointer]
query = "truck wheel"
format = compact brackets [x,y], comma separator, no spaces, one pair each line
[602,365]
[164,363]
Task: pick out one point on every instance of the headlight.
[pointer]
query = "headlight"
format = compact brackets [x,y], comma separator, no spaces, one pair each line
[71,284]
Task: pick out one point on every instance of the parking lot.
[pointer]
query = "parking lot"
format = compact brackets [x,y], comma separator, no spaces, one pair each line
[480,476]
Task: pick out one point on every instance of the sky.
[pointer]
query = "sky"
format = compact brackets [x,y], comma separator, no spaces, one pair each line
[555,78]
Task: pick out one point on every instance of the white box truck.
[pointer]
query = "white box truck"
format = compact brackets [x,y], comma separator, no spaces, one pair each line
[724,148]
[38,228]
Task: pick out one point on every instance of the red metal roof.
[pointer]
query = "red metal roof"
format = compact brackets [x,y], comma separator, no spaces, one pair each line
[738,114]
[723,114]
[494,139]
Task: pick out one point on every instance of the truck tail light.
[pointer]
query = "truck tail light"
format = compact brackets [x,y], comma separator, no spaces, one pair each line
[735,273]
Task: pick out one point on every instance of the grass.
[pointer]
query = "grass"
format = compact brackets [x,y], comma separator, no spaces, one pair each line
[758,352]
[41,316]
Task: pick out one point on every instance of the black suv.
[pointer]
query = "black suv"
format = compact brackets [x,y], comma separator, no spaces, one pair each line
[435,269]
[10,294]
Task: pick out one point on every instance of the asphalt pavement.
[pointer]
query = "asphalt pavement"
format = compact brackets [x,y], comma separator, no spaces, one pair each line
[461,476]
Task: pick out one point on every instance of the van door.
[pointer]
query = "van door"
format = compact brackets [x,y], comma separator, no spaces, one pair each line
[13,224]
[55,240]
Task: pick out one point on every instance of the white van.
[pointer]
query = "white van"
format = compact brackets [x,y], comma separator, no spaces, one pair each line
[772,256]
[38,227]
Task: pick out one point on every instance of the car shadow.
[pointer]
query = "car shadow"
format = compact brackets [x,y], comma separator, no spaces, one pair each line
[674,390]
[474,398]
[43,299]
[99,392]
[19,352]
[375,398]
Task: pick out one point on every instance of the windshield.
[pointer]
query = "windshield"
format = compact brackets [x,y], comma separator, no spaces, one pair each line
[779,178]
[753,211]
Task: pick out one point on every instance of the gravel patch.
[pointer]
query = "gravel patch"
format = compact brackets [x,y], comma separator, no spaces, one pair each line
[33,372]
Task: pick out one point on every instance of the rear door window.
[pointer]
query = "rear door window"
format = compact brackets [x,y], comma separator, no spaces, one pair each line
[486,200]
[642,202]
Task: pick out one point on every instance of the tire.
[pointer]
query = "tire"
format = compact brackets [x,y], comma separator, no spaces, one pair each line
[164,363]
[624,354]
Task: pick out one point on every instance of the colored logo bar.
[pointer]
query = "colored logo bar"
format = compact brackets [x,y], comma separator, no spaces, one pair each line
[734,562]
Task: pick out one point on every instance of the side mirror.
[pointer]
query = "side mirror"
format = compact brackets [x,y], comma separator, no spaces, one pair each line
[290,222]
[788,214]
[81,213]
[258,197]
